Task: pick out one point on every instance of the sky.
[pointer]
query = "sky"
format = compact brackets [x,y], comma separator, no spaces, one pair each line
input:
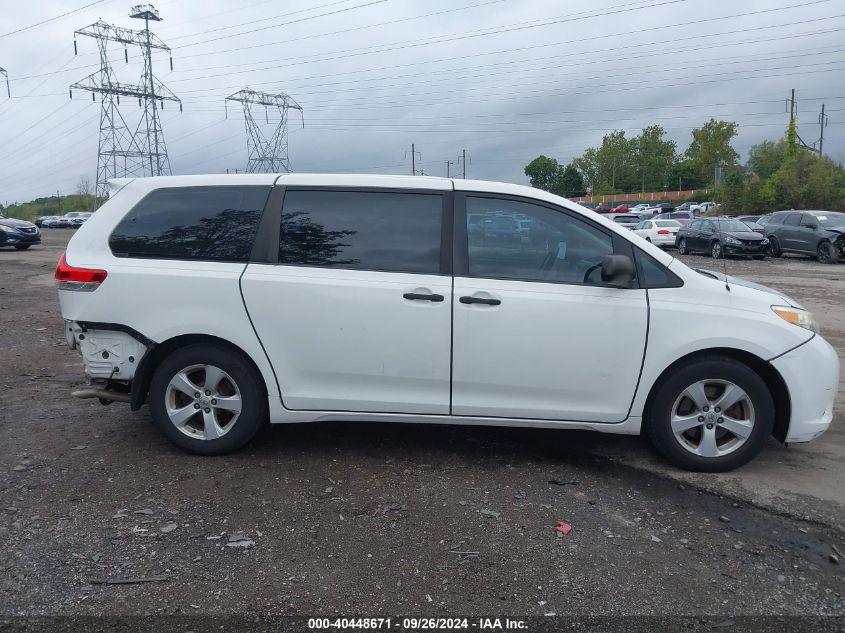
[506,80]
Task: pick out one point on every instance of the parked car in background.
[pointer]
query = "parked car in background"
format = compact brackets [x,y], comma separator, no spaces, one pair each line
[628,220]
[707,207]
[39,222]
[639,208]
[819,234]
[77,218]
[682,217]
[604,207]
[688,206]
[721,237]
[621,208]
[18,233]
[759,219]
[658,232]
[283,322]
[757,228]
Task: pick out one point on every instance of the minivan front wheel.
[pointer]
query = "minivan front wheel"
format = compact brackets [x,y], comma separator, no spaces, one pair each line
[713,415]
[207,399]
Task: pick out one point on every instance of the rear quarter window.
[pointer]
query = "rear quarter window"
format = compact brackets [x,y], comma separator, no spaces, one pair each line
[195,223]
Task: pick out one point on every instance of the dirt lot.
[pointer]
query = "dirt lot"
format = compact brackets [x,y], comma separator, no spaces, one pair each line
[374,519]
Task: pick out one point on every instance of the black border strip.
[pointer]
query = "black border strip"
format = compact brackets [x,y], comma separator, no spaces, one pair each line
[117,327]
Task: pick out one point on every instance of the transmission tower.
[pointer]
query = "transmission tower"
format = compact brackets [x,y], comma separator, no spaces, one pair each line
[122,151]
[6,75]
[266,154]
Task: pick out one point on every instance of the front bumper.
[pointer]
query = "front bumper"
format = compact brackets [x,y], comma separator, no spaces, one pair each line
[745,250]
[811,374]
[13,239]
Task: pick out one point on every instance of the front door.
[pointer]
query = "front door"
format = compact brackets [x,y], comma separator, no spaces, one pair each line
[356,314]
[536,332]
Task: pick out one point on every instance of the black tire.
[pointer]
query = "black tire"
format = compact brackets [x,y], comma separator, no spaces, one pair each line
[648,239]
[824,253]
[244,375]
[716,250]
[682,247]
[774,247]
[657,426]
[22,247]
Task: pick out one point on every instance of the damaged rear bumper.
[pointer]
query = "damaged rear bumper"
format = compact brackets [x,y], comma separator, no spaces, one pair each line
[111,353]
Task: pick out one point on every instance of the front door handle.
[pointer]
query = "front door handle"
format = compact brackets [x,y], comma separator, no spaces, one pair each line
[487,302]
[418,296]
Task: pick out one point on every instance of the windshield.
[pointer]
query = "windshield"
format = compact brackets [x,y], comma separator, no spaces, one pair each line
[831,219]
[734,226]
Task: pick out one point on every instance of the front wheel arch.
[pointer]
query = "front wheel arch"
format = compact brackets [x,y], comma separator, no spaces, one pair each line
[774,381]
[153,358]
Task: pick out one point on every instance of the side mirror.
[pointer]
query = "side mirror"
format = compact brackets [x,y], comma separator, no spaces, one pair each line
[618,271]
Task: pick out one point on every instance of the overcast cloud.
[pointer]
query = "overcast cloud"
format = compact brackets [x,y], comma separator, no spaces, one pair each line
[505,79]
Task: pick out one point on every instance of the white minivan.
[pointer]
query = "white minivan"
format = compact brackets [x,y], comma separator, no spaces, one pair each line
[223,302]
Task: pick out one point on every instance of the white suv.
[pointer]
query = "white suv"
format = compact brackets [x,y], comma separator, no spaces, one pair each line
[225,301]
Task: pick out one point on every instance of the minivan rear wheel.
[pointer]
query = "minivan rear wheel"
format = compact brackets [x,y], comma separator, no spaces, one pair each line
[712,415]
[207,399]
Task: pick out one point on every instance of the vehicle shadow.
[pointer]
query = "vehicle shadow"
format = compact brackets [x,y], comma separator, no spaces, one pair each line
[436,442]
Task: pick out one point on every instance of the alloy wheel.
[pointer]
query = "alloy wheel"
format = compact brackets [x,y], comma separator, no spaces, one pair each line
[203,402]
[716,251]
[824,252]
[712,418]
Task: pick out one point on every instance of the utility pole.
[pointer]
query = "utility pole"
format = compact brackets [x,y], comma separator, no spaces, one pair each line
[449,163]
[793,110]
[6,75]
[122,151]
[463,160]
[266,155]
[414,154]
[822,125]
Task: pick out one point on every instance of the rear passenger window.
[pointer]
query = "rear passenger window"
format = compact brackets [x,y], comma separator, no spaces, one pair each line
[384,231]
[793,219]
[204,223]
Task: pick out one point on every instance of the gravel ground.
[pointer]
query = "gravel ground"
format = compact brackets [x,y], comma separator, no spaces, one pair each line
[373,519]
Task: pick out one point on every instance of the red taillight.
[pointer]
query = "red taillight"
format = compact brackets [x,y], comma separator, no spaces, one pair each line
[663,232]
[71,277]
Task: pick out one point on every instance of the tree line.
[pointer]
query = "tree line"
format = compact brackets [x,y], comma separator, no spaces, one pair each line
[777,175]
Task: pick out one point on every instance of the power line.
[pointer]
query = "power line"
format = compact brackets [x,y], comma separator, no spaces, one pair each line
[54,18]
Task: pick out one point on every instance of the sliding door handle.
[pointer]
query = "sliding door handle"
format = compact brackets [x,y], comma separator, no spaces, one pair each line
[417,296]
[487,302]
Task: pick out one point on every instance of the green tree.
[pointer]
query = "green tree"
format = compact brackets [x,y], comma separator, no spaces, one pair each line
[765,158]
[654,157]
[543,172]
[683,175]
[711,147]
[570,184]
[611,167]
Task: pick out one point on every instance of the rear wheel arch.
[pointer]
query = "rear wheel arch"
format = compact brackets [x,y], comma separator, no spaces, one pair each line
[774,381]
[153,358]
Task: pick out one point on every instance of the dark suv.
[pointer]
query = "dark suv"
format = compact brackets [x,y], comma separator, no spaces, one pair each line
[819,234]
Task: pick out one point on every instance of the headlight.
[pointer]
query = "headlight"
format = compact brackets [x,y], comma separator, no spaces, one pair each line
[732,240]
[8,229]
[797,316]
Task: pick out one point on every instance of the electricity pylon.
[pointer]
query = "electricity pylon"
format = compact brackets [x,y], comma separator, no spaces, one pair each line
[122,151]
[6,75]
[266,154]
